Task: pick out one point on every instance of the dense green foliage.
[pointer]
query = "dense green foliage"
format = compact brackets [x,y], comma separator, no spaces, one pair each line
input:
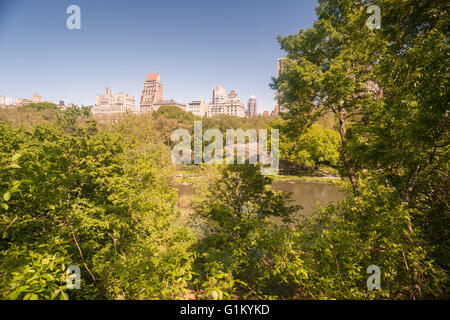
[73,195]
[75,190]
[388,90]
[240,243]
[311,148]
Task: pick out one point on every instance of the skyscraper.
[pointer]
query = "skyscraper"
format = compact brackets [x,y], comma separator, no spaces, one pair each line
[225,104]
[280,62]
[152,92]
[219,95]
[153,96]
[252,106]
[279,108]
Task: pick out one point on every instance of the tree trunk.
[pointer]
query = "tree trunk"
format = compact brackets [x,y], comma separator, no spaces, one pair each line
[415,285]
[348,164]
[411,184]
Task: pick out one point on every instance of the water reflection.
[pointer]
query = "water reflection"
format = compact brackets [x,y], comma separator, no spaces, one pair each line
[306,194]
[310,194]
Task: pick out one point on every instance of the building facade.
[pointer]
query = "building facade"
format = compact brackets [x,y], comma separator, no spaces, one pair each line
[35,99]
[62,105]
[198,108]
[279,108]
[110,103]
[252,106]
[225,104]
[219,95]
[6,101]
[152,97]
[22,101]
[152,93]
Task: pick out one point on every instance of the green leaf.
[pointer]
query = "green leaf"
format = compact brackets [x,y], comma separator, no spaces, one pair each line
[34,297]
[16,157]
[15,187]
[55,293]
[7,196]
[64,296]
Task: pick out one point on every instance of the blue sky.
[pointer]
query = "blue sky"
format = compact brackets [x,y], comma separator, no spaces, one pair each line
[194,44]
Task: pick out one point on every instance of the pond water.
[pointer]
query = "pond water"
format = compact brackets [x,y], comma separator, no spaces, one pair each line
[306,194]
[310,194]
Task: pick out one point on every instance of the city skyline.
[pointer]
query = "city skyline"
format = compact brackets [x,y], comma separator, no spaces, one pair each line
[119,42]
[152,98]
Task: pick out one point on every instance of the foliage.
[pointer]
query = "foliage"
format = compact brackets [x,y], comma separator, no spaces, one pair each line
[340,243]
[235,223]
[387,89]
[101,196]
[310,148]
[33,272]
[41,106]
[102,199]
[174,112]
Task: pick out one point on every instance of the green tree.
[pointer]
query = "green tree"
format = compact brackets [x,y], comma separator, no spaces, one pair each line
[310,148]
[239,240]
[74,195]
[407,139]
[330,69]
[387,89]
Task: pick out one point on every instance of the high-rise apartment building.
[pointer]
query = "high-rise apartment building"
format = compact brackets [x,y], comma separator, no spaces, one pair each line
[252,106]
[279,108]
[110,103]
[153,95]
[223,104]
[280,65]
[152,92]
[219,95]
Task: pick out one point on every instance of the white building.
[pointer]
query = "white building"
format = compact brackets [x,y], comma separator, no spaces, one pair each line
[198,108]
[35,99]
[110,103]
[223,104]
[219,95]
[6,101]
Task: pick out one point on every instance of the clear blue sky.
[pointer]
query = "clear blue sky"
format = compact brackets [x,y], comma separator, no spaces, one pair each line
[194,44]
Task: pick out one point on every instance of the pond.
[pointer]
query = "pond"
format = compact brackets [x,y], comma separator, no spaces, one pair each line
[310,194]
[306,194]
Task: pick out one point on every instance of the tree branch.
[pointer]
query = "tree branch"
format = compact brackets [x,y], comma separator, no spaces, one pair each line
[81,255]
[9,225]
